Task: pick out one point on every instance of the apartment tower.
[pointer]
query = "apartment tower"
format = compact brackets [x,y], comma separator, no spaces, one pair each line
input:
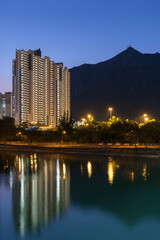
[1,106]
[41,89]
[6,105]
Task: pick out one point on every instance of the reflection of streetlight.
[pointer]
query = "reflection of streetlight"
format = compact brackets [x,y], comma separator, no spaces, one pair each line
[81,169]
[110,109]
[63,133]
[144,174]
[111,171]
[64,171]
[132,176]
[89,168]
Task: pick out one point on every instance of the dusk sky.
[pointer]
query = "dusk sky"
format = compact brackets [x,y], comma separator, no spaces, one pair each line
[76,32]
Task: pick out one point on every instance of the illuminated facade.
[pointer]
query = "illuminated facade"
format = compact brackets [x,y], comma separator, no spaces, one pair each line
[6,105]
[62,94]
[41,89]
[1,111]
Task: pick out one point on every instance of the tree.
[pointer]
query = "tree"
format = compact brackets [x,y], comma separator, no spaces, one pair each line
[8,129]
[66,123]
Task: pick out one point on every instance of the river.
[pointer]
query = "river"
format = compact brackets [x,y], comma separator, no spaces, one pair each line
[78,197]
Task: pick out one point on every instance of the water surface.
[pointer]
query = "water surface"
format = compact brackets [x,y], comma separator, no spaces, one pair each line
[45,196]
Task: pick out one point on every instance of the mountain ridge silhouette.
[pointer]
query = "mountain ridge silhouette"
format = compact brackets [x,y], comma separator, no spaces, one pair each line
[129,82]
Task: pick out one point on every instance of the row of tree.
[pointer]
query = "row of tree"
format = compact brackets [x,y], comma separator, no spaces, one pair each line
[113,131]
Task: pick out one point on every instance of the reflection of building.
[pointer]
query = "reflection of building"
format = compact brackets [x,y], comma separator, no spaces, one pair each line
[42,192]
[41,89]
[6,105]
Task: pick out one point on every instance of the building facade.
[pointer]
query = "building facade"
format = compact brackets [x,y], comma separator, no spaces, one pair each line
[6,105]
[41,89]
[1,111]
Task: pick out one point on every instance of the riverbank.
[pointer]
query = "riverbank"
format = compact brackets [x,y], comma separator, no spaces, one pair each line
[97,149]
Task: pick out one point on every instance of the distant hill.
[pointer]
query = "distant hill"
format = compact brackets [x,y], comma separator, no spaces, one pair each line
[129,82]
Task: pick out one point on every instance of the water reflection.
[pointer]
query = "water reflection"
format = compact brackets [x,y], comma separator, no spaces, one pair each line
[144,174]
[42,192]
[43,186]
[81,169]
[132,177]
[89,169]
[132,192]
[111,170]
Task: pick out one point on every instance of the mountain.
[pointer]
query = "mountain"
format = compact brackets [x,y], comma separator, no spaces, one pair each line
[129,82]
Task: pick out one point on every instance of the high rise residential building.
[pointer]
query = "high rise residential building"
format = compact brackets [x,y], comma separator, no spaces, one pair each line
[1,109]
[6,105]
[62,95]
[41,89]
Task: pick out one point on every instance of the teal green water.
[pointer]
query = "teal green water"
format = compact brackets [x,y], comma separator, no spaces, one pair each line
[73,197]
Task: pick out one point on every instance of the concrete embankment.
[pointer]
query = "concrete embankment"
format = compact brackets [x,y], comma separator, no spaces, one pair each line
[122,150]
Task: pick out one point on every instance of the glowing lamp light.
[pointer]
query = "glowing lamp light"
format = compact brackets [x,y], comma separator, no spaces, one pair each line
[110,109]
[146,119]
[83,120]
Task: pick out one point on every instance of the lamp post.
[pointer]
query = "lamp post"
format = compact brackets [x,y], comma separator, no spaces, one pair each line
[89,116]
[110,109]
[63,133]
[90,120]
[146,119]
[83,121]
[145,115]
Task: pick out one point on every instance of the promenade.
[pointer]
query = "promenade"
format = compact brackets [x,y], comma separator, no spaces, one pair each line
[105,149]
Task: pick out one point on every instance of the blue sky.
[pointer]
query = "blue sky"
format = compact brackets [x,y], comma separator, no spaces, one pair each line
[76,32]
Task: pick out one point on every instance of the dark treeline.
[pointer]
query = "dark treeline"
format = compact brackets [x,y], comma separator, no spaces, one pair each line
[113,131]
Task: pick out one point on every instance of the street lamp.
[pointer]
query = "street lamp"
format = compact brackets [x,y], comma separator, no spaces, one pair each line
[146,119]
[145,115]
[110,109]
[63,133]
[89,116]
[83,121]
